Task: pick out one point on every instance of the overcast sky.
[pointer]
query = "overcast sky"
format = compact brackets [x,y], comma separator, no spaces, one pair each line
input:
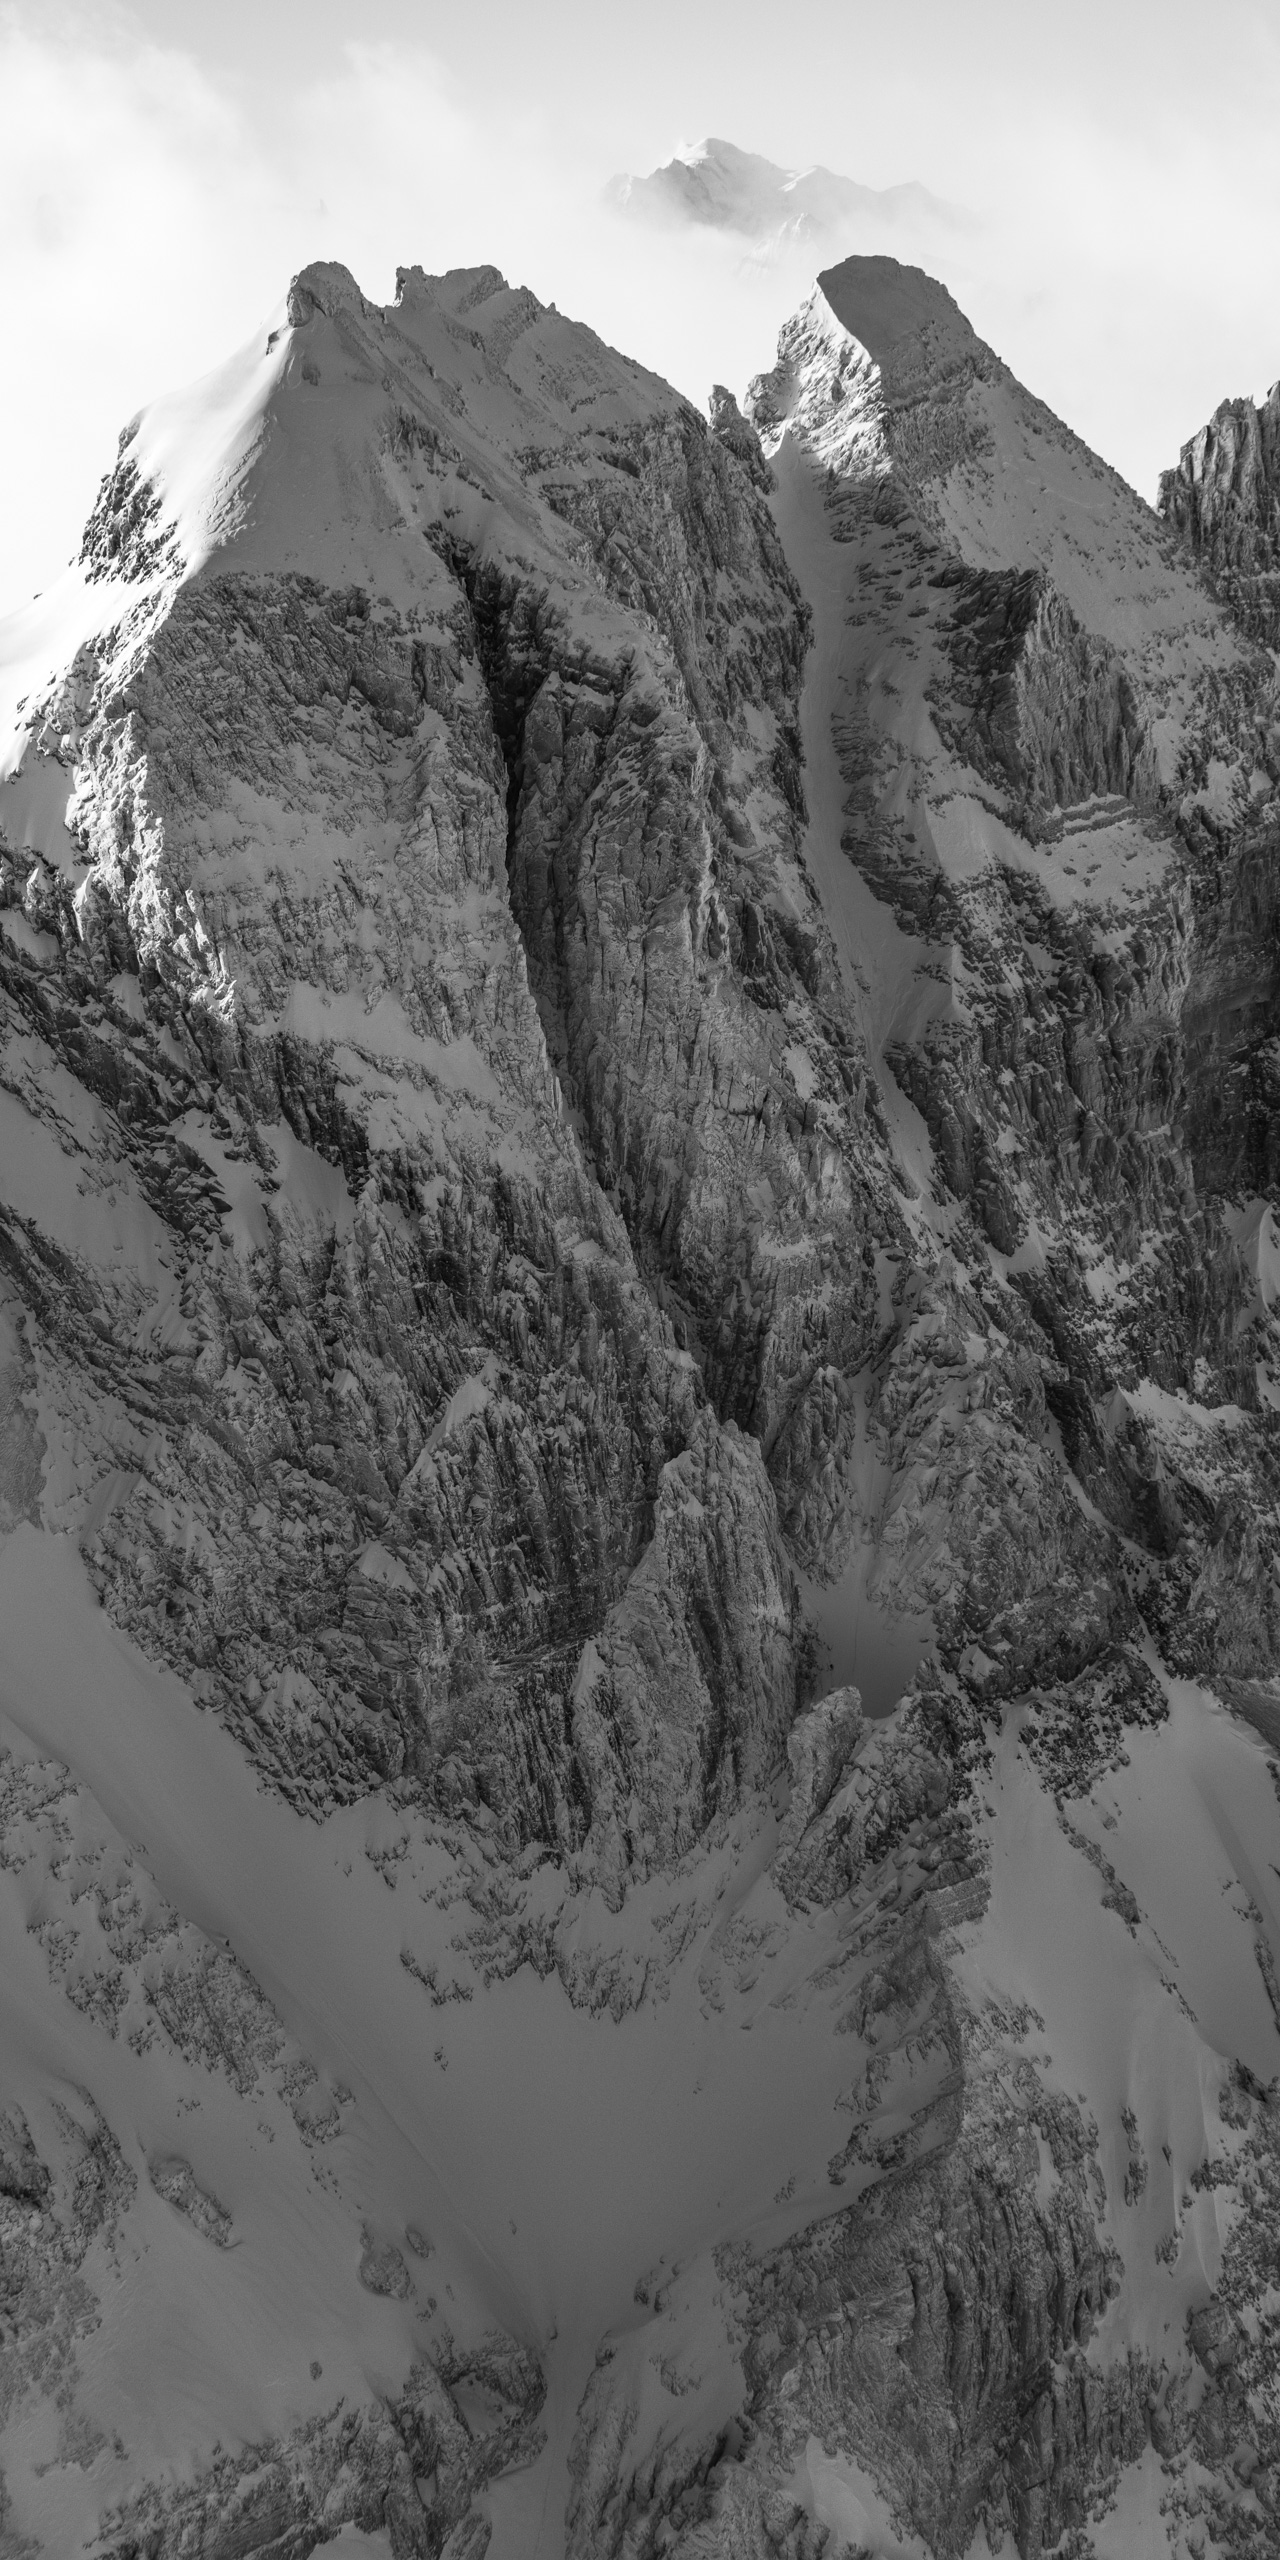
[165,167]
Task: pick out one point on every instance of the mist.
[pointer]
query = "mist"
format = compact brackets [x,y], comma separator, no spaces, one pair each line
[153,208]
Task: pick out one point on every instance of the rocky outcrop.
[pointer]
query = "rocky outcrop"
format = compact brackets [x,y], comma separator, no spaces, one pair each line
[1223,500]
[952,2314]
[409,2468]
[709,1611]
[1044,708]
[175,2180]
[142,1971]
[56,2213]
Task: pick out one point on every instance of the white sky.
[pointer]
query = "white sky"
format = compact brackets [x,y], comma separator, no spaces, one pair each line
[165,168]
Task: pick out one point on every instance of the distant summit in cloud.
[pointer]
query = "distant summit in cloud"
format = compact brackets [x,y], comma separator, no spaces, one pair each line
[720,187]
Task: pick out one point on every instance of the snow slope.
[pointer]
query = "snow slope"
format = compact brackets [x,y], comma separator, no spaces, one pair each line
[552,2159]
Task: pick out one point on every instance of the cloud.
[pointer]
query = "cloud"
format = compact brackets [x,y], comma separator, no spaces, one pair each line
[151,215]
[149,221]
[133,205]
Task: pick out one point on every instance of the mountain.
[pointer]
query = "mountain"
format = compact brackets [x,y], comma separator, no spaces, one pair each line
[716,184]
[641,1787]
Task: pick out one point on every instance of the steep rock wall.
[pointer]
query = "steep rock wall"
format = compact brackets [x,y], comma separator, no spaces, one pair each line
[1222,498]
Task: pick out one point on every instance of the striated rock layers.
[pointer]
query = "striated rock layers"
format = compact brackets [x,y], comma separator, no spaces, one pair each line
[641,1567]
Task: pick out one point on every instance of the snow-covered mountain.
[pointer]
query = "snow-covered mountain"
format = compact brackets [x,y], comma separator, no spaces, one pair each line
[716,184]
[639,1819]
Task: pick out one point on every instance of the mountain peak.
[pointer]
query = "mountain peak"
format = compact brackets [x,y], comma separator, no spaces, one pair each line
[883,304]
[715,146]
[716,184]
[459,289]
[879,374]
[327,287]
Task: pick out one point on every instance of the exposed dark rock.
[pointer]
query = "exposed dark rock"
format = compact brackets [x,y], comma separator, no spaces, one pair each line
[1223,500]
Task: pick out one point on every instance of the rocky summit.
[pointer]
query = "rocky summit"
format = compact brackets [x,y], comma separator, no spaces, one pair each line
[639,1463]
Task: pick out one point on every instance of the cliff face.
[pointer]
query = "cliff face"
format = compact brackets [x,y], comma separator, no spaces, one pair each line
[1223,500]
[636,1402]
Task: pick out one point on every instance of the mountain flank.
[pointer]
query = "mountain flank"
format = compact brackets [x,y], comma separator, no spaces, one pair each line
[640,1563]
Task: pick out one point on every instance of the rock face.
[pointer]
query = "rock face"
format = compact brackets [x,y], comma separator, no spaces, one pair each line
[637,1453]
[1223,499]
